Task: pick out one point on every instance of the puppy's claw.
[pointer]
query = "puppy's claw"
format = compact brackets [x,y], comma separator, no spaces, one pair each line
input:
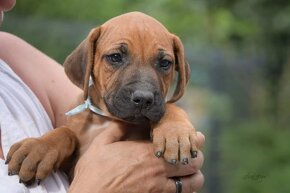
[20,181]
[173,161]
[11,173]
[38,181]
[184,161]
[7,160]
[193,154]
[158,154]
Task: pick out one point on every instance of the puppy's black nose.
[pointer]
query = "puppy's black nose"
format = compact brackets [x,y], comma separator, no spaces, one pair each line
[142,98]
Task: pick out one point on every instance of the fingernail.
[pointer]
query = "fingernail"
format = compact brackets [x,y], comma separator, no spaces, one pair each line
[38,181]
[185,161]
[158,154]
[173,161]
[193,154]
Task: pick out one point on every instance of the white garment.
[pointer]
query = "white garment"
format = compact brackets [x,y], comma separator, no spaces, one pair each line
[22,116]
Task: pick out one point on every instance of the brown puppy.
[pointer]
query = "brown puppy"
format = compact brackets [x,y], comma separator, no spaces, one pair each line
[132,60]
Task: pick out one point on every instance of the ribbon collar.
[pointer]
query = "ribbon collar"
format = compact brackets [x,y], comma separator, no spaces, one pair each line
[82,107]
[87,104]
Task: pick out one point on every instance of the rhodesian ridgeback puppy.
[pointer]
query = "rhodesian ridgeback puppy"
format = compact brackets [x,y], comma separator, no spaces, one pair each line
[131,61]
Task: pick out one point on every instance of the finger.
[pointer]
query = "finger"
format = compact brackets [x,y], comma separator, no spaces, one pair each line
[190,184]
[200,139]
[183,170]
[111,134]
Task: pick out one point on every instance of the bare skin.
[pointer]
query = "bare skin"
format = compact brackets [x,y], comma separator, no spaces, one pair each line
[52,91]
[6,5]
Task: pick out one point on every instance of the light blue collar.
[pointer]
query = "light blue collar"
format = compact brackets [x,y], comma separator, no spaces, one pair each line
[82,107]
[86,105]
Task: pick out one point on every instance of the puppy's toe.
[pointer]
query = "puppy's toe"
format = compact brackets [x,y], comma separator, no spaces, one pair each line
[159,145]
[184,149]
[14,162]
[29,167]
[193,144]
[46,166]
[171,150]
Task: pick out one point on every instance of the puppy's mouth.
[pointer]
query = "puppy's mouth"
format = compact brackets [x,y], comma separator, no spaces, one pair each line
[136,119]
[136,105]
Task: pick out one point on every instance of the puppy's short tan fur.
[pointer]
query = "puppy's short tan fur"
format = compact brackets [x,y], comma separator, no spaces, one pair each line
[132,59]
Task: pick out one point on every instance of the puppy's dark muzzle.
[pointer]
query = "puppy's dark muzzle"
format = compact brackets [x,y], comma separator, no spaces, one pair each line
[136,103]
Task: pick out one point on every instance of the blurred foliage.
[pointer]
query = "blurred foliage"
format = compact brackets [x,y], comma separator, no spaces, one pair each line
[239,53]
[256,158]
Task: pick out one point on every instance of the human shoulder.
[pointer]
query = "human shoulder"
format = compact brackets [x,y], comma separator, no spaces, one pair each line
[44,76]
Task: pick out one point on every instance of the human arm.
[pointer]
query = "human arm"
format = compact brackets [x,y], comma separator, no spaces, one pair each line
[44,76]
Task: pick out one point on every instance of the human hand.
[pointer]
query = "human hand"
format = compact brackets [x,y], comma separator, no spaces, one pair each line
[130,166]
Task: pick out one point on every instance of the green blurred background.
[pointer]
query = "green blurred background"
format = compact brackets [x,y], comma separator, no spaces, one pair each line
[239,93]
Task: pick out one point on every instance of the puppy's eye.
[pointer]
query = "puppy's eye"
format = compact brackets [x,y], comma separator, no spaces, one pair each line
[165,64]
[114,58]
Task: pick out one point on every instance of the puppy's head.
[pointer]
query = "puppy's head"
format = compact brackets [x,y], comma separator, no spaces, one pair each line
[132,59]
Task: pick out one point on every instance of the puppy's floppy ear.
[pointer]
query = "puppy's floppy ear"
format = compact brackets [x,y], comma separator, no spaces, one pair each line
[182,67]
[78,65]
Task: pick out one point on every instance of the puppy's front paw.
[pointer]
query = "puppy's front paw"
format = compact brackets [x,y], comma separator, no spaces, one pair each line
[175,141]
[32,159]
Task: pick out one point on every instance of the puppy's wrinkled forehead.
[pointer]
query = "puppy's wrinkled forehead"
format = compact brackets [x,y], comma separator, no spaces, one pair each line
[134,28]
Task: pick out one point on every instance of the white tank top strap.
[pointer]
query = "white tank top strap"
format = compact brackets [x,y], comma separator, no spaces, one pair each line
[22,116]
